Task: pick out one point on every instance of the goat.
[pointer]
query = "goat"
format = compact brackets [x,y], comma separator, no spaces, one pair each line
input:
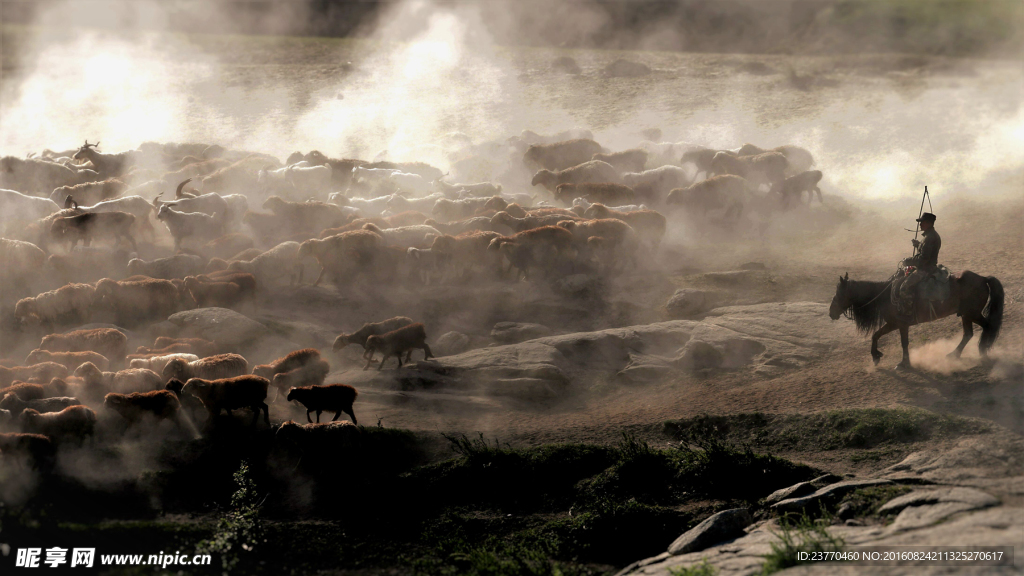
[86,227]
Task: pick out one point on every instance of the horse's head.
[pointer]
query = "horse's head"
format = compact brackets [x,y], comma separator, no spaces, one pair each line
[841,301]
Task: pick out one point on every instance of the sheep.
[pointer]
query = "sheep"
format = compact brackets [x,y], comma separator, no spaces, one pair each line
[474,224]
[356,224]
[545,246]
[26,391]
[427,263]
[561,155]
[37,176]
[108,342]
[239,177]
[397,342]
[70,360]
[34,448]
[238,205]
[183,225]
[279,262]
[592,171]
[88,264]
[214,294]
[633,160]
[130,380]
[157,363]
[162,404]
[15,405]
[177,266]
[90,192]
[288,362]
[447,210]
[653,185]
[135,205]
[404,218]
[89,226]
[43,371]
[468,250]
[335,398]
[370,329]
[718,192]
[648,224]
[337,254]
[210,368]
[20,262]
[795,186]
[768,168]
[245,391]
[527,223]
[196,345]
[397,203]
[70,304]
[580,206]
[108,165]
[312,373]
[135,302]
[368,207]
[17,206]
[71,423]
[419,236]
[227,246]
[799,160]
[210,204]
[309,216]
[603,192]
[478,189]
[701,158]
[618,236]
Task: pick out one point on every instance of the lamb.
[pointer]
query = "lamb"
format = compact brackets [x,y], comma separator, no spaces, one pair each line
[603,192]
[162,404]
[70,360]
[34,448]
[592,171]
[652,185]
[177,266]
[370,329]
[718,192]
[799,160]
[561,155]
[397,342]
[71,423]
[108,342]
[478,189]
[288,362]
[427,263]
[183,225]
[279,262]
[311,374]
[43,372]
[211,368]
[407,236]
[89,192]
[157,363]
[335,398]
[89,226]
[136,302]
[70,304]
[527,223]
[15,405]
[648,224]
[795,186]
[130,380]
[633,160]
[768,168]
[337,254]
[245,391]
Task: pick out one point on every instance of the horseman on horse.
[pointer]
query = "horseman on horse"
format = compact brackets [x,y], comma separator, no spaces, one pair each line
[922,291]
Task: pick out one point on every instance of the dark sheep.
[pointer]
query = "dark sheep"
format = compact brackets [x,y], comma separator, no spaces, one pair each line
[133,407]
[398,342]
[312,374]
[246,391]
[44,371]
[335,398]
[370,329]
[87,227]
[291,361]
[36,449]
[71,423]
[216,367]
[795,186]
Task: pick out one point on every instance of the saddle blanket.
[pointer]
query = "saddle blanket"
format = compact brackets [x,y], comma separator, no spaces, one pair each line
[937,286]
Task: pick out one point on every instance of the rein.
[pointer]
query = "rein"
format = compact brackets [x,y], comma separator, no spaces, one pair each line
[848,313]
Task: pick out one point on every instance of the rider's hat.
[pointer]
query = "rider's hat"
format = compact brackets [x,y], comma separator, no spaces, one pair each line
[927,217]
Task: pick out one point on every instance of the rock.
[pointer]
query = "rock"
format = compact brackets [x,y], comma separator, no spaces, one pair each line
[644,368]
[725,525]
[626,69]
[914,517]
[686,303]
[741,352]
[829,493]
[225,327]
[451,343]
[565,64]
[515,332]
[976,498]
[845,511]
[794,491]
[578,284]
[698,355]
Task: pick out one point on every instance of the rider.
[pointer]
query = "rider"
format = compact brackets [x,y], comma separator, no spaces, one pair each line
[926,261]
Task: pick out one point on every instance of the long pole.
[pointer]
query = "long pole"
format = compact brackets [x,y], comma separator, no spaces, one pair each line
[919,212]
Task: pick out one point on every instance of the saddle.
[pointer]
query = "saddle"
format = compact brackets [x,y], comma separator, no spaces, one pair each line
[937,287]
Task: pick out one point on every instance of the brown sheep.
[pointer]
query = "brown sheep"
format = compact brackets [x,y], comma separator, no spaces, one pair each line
[16,405]
[356,224]
[213,294]
[288,362]
[246,281]
[34,448]
[338,254]
[468,250]
[529,222]
[246,391]
[768,168]
[561,155]
[44,371]
[227,246]
[618,236]
[370,329]
[598,192]
[795,186]
[71,423]
[593,171]
[87,227]
[335,398]
[544,247]
[726,192]
[210,368]
[70,360]
[123,381]
[397,342]
[799,159]
[111,343]
[136,302]
[133,407]
[632,160]
[648,224]
[312,374]
[25,391]
[702,157]
[157,361]
[69,304]
[87,264]
[89,193]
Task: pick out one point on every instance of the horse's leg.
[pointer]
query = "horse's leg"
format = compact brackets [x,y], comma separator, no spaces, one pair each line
[876,354]
[905,341]
[968,334]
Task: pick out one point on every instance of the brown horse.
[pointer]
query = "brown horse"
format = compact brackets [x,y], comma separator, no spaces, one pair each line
[870,306]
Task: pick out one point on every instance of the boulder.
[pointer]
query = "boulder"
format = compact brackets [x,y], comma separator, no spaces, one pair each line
[225,327]
[830,493]
[515,332]
[698,355]
[686,303]
[725,525]
[622,68]
[451,343]
[926,497]
[794,491]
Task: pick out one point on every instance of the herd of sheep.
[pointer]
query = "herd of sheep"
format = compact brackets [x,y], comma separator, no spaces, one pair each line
[91,237]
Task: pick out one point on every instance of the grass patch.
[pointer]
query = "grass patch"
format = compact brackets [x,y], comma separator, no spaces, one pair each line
[702,569]
[794,537]
[865,502]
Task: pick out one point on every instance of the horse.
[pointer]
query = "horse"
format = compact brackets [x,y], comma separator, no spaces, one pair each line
[870,305]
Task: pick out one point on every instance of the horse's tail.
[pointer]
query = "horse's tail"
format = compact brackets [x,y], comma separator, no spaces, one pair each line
[995,314]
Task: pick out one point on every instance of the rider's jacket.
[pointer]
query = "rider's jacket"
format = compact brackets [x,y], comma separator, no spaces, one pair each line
[927,258]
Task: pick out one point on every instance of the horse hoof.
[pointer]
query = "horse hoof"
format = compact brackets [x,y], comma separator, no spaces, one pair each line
[954,355]
[903,365]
